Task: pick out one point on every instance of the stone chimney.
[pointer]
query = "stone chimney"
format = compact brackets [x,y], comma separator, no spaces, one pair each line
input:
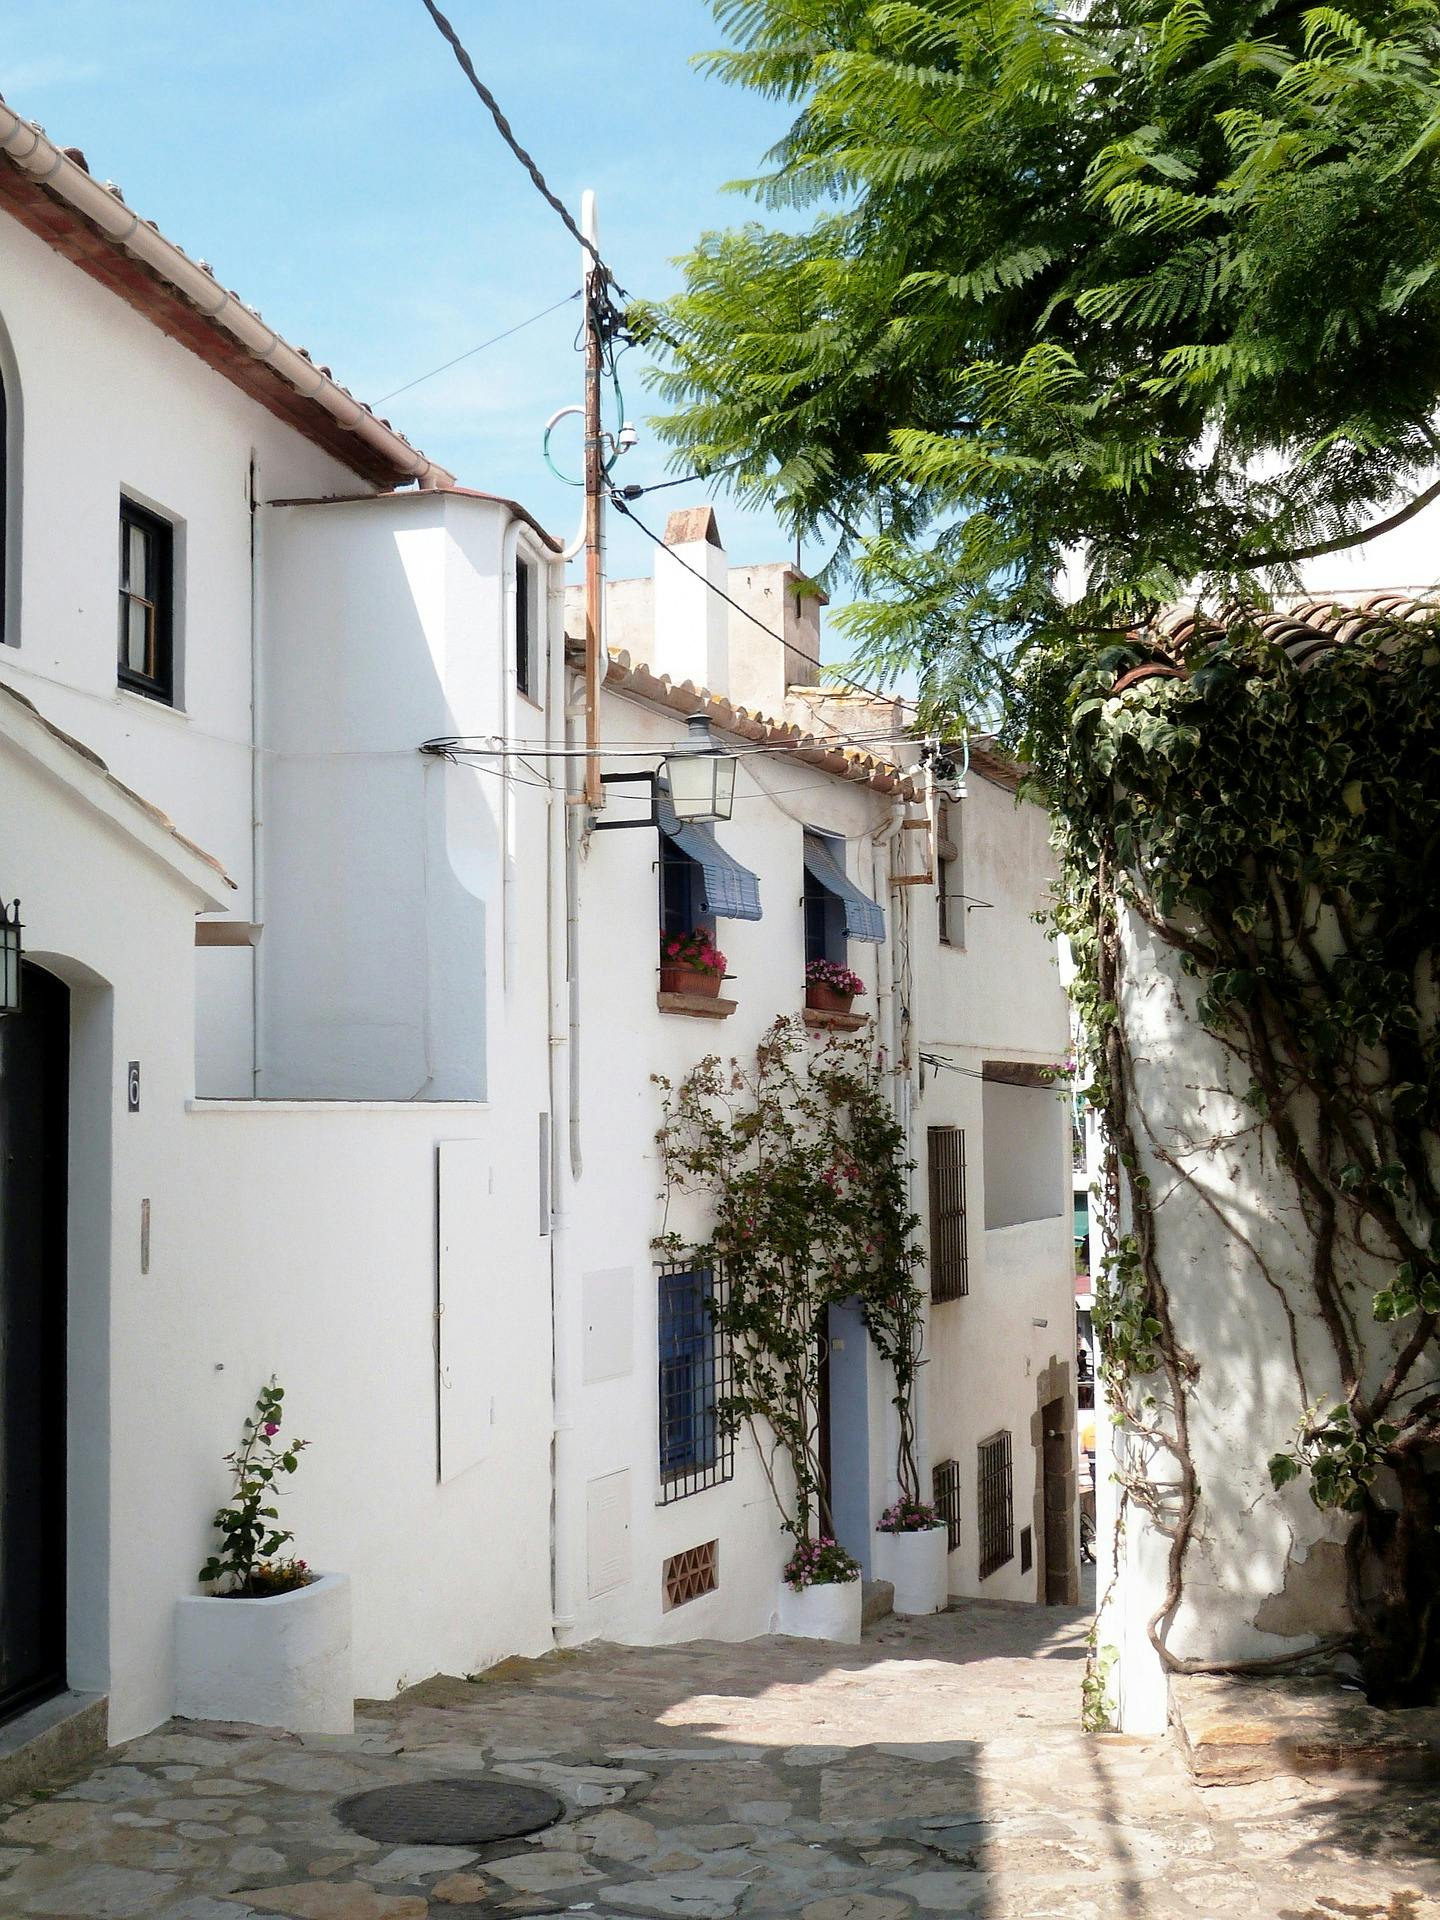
[691,639]
[762,670]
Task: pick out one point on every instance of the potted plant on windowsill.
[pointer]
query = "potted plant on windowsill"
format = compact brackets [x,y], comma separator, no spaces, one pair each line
[912,1551]
[820,1592]
[691,963]
[271,1643]
[830,988]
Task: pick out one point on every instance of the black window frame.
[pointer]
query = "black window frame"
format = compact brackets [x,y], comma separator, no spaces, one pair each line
[525,628]
[995,1501]
[826,937]
[158,595]
[694,1372]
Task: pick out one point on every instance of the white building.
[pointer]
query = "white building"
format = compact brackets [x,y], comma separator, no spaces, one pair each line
[360,1094]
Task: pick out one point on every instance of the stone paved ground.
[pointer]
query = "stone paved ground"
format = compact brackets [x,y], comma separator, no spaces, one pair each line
[935,1771]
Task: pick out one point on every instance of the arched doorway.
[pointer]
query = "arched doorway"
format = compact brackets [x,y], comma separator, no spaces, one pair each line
[34,1136]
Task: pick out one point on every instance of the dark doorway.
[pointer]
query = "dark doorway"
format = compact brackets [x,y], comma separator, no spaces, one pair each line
[1058,1497]
[34,1136]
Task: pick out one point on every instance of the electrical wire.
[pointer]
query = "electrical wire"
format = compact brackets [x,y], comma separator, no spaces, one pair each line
[507,132]
[494,341]
[618,501]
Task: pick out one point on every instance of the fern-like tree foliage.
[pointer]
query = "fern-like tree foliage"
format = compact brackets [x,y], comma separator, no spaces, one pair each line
[1151,283]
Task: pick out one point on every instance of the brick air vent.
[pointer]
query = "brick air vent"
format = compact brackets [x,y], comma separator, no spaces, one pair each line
[690,1574]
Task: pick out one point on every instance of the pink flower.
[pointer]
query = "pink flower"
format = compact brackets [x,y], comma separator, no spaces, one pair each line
[272,1427]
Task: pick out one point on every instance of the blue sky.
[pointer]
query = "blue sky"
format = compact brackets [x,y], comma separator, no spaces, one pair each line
[330,161]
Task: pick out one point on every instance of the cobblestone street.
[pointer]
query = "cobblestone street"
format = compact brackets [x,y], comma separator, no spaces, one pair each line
[936,1770]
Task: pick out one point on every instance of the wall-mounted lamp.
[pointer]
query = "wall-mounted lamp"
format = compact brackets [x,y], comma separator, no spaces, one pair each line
[10,957]
[701,776]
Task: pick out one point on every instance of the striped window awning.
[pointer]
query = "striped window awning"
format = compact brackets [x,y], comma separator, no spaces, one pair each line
[864,917]
[731,890]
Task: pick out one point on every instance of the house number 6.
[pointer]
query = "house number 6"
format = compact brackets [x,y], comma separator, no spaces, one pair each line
[132,1086]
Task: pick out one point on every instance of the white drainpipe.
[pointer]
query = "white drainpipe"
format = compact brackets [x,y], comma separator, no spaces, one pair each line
[28,147]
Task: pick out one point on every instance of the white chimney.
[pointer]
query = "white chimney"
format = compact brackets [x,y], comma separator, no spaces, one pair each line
[692,621]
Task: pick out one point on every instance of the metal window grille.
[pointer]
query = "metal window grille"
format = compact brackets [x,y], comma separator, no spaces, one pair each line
[995,1504]
[688,1575]
[695,1375]
[949,1240]
[945,1480]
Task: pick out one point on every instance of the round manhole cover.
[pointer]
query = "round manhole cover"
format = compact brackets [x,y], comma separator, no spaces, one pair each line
[450,1813]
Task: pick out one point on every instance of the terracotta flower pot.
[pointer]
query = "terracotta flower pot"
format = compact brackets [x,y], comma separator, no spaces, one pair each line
[822,999]
[690,980]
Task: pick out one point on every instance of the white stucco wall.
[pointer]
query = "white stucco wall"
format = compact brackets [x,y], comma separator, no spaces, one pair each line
[110,405]
[995,1355]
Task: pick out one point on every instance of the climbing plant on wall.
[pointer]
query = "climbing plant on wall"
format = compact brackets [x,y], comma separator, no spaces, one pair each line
[801,1164]
[1275,825]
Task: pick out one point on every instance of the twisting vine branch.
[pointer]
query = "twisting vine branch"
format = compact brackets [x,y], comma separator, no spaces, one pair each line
[801,1164]
[1276,832]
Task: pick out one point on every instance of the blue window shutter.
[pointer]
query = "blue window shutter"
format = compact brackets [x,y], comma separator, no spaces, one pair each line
[730,889]
[864,917]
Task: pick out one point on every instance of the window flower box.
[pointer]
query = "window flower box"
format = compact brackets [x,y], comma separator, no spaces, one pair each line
[831,988]
[691,963]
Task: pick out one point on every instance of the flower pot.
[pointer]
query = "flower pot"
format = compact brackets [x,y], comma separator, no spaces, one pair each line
[283,1661]
[821,999]
[917,1565]
[690,980]
[828,1611]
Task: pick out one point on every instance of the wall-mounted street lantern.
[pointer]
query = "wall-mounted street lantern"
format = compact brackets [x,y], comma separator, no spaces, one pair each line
[10,957]
[701,776]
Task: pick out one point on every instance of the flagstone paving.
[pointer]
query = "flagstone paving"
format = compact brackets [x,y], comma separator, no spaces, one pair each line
[935,1771]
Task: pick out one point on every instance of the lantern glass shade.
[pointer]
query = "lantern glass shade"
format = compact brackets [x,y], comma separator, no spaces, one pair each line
[701,777]
[9,958]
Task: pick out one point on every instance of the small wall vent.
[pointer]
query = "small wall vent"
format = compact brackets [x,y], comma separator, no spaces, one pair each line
[1027,1549]
[688,1575]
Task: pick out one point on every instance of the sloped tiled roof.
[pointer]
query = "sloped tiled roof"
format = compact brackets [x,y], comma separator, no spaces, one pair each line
[50,191]
[1302,626]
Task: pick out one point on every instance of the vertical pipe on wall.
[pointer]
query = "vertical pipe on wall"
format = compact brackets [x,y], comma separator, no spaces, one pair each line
[257,784]
[509,613]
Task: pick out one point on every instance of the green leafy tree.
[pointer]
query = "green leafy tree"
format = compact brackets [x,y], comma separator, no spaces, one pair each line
[1153,281]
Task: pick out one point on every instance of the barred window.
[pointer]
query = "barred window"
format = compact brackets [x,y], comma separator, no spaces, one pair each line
[694,1375]
[949,1242]
[995,1506]
[945,1480]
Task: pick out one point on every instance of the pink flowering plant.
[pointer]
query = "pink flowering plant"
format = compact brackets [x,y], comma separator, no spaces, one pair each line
[909,1516]
[249,1535]
[819,1563]
[830,973]
[801,1164]
[696,950]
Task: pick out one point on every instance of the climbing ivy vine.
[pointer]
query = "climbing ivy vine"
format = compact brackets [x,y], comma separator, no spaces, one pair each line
[801,1164]
[1277,827]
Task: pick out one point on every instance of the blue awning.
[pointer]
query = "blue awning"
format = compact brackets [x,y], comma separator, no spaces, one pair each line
[730,889]
[864,919]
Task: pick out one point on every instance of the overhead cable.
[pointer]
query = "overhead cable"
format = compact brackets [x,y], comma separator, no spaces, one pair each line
[493,341]
[507,132]
[621,505]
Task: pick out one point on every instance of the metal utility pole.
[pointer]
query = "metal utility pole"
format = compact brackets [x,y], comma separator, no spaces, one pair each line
[592,291]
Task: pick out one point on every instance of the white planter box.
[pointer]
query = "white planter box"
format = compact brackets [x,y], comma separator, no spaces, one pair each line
[918,1567]
[827,1612]
[283,1661]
